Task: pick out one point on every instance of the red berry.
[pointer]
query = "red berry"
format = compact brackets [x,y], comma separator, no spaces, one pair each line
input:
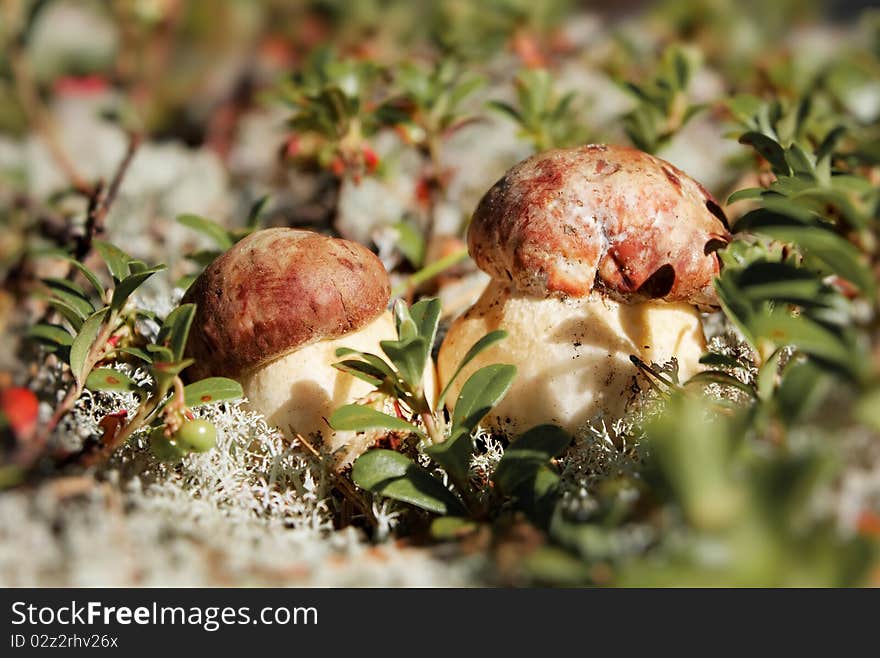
[371,160]
[21,408]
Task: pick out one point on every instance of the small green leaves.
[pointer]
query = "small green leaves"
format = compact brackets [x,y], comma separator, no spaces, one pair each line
[71,295]
[362,370]
[720,378]
[769,149]
[839,255]
[482,391]
[209,228]
[116,260]
[109,379]
[484,343]
[357,418]
[130,283]
[527,454]
[50,335]
[445,528]
[371,368]
[83,344]
[417,330]
[546,118]
[408,355]
[411,243]
[392,474]
[401,380]
[426,315]
[212,389]
[663,107]
[175,330]
[781,328]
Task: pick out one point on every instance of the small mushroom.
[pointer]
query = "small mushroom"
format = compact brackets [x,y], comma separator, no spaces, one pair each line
[596,253]
[271,313]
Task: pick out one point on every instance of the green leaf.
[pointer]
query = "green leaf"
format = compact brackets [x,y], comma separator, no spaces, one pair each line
[63,284]
[357,418]
[51,334]
[454,454]
[376,362]
[391,474]
[721,378]
[86,272]
[482,391]
[782,328]
[206,227]
[411,243]
[212,389]
[836,252]
[765,382]
[129,284]
[163,373]
[485,342]
[826,148]
[868,408]
[136,352]
[537,496]
[747,193]
[734,305]
[161,353]
[74,300]
[527,454]
[507,109]
[744,107]
[68,312]
[90,276]
[108,379]
[408,356]
[136,266]
[721,360]
[799,162]
[175,329]
[82,344]
[256,211]
[116,260]
[186,281]
[362,370]
[769,149]
[803,386]
[406,326]
[426,315]
[447,528]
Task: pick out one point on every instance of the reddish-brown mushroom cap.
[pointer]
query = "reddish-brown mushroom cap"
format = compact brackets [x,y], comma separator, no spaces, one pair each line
[276,291]
[606,218]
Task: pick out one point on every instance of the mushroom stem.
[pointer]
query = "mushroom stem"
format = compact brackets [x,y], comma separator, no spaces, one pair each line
[572,355]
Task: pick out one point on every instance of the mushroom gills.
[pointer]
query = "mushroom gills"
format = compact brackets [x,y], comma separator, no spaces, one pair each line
[572,354]
[299,391]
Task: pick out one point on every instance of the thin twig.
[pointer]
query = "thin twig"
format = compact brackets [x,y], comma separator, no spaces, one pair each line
[345,486]
[101,199]
[430,271]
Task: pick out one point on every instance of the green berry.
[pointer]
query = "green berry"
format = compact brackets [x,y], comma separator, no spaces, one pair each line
[163,448]
[197,435]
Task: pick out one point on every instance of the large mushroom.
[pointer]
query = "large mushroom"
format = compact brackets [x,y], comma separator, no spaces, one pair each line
[271,313]
[596,253]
